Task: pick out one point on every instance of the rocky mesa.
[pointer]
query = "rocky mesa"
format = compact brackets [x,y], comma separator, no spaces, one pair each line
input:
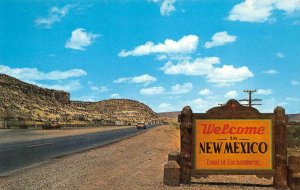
[25,103]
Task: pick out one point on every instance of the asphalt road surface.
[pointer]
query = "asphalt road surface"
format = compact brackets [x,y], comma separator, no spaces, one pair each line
[15,156]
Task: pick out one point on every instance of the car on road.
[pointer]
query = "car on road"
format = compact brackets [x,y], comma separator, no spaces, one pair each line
[51,125]
[141,126]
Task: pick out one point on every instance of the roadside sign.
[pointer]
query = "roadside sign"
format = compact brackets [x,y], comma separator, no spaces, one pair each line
[233,144]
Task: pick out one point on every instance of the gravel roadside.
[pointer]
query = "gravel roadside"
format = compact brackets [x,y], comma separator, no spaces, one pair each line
[135,163]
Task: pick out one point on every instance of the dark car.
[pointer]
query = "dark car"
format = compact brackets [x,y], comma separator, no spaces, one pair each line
[51,125]
[141,126]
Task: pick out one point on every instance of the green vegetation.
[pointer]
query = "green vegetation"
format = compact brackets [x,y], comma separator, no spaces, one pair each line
[293,136]
[174,125]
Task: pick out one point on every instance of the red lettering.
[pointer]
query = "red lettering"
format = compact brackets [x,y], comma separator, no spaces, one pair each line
[231,130]
[260,130]
[227,129]
[218,130]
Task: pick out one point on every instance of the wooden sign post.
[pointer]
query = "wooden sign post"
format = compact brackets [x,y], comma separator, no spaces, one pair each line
[233,140]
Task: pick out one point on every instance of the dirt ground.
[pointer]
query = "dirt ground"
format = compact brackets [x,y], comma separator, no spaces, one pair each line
[19,135]
[135,163]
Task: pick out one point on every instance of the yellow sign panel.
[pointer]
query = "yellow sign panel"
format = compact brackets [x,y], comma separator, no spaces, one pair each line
[233,145]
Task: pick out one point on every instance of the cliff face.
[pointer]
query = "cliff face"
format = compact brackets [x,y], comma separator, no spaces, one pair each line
[20,101]
[7,82]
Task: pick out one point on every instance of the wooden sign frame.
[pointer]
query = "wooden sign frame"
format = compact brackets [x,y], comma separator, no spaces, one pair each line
[259,172]
[234,110]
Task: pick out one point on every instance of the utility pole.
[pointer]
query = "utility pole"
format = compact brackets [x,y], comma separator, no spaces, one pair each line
[250,100]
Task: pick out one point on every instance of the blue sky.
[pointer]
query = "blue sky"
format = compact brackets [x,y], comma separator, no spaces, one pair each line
[165,53]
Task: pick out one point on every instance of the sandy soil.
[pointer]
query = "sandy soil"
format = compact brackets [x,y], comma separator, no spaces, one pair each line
[135,163]
[19,135]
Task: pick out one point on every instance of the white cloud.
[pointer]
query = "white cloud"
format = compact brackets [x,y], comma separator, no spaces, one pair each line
[280,55]
[164,107]
[220,39]
[228,75]
[173,57]
[147,79]
[86,98]
[186,44]
[123,79]
[205,92]
[175,89]
[99,89]
[251,11]
[289,6]
[80,39]
[182,89]
[167,7]
[55,15]
[152,90]
[115,96]
[261,11]
[223,76]
[294,83]
[231,94]
[68,86]
[143,79]
[200,105]
[264,92]
[292,99]
[161,57]
[271,72]
[33,74]
[200,66]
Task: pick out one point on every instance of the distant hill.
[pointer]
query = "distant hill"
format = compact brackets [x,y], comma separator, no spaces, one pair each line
[23,102]
[173,114]
[294,117]
[169,117]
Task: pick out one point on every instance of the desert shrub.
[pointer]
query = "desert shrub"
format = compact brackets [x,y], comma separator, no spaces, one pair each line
[296,132]
[23,126]
[174,125]
[293,136]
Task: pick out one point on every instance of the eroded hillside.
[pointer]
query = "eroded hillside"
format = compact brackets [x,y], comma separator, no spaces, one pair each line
[23,102]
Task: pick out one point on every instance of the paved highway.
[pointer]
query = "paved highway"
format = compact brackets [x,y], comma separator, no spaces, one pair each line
[15,156]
